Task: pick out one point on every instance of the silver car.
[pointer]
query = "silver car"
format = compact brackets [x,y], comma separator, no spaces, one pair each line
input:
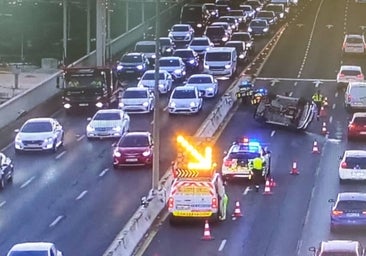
[175,66]
[34,248]
[39,134]
[185,100]
[205,83]
[137,100]
[148,81]
[181,33]
[108,123]
[200,45]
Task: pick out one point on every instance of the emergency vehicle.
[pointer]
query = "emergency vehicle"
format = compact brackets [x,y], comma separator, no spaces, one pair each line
[196,193]
[236,162]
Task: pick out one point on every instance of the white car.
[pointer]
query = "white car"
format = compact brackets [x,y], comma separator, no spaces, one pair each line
[354,44]
[181,33]
[137,100]
[39,134]
[348,73]
[148,81]
[175,66]
[352,165]
[185,100]
[200,45]
[205,83]
[108,123]
[34,249]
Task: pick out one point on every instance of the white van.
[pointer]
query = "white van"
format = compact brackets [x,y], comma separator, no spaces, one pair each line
[220,61]
[286,3]
[355,96]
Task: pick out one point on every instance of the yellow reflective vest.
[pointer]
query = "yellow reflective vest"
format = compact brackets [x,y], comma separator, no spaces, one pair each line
[317,97]
[257,163]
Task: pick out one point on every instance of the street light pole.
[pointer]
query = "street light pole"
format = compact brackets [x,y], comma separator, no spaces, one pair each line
[64,30]
[156,116]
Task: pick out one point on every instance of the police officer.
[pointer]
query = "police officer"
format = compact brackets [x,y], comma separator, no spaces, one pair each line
[256,166]
[224,203]
[318,100]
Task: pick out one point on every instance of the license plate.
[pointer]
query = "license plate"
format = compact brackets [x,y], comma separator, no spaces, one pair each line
[182,207]
[352,214]
[131,160]
[362,132]
[192,214]
[83,104]
[32,145]
[129,71]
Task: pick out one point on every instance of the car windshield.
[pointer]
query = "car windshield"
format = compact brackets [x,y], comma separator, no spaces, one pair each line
[240,37]
[356,162]
[265,15]
[169,63]
[29,253]
[183,54]
[351,72]
[210,7]
[132,141]
[164,42]
[218,31]
[341,253]
[180,29]
[275,8]
[258,23]
[84,80]
[243,155]
[224,25]
[351,205]
[218,56]
[199,80]
[37,127]
[131,58]
[135,94]
[253,3]
[354,40]
[151,76]
[145,48]
[184,94]
[107,116]
[200,42]
[238,46]
[360,120]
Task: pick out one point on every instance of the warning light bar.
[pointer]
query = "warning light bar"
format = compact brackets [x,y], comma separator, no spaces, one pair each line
[190,173]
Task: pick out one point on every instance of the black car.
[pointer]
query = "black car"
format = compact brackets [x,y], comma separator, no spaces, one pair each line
[211,11]
[217,35]
[255,4]
[166,46]
[189,57]
[247,38]
[132,64]
[241,50]
[194,15]
[6,170]
[269,16]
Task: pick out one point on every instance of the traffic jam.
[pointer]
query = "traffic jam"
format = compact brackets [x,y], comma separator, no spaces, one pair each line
[283,175]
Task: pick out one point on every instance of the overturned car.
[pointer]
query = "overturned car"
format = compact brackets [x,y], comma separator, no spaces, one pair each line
[291,112]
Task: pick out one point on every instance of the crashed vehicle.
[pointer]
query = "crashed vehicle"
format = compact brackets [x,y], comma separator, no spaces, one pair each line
[290,112]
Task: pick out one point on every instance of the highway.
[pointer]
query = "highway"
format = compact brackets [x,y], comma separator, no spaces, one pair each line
[74,198]
[296,215]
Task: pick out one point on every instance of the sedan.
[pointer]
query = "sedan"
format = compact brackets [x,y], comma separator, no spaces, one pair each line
[108,123]
[137,100]
[200,45]
[349,210]
[354,44]
[6,170]
[189,57]
[348,73]
[352,165]
[357,126]
[133,148]
[148,81]
[174,66]
[206,84]
[185,100]
[269,16]
[338,247]
[181,33]
[247,38]
[258,27]
[39,134]
[34,249]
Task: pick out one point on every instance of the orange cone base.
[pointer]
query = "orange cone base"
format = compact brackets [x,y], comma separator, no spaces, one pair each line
[272,183]
[207,238]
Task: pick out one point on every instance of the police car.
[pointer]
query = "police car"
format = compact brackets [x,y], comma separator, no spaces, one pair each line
[236,162]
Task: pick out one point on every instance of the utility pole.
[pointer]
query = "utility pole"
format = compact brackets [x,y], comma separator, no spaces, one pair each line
[88,26]
[156,116]
[101,32]
[64,31]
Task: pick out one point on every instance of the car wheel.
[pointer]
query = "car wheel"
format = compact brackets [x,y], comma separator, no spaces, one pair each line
[2,183]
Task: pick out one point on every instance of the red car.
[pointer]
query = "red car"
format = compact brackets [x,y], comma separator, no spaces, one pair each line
[133,149]
[357,126]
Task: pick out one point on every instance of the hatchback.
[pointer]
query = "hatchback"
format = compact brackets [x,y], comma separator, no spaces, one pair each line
[355,96]
[352,165]
[338,247]
[348,73]
[259,27]
[357,126]
[34,249]
[354,44]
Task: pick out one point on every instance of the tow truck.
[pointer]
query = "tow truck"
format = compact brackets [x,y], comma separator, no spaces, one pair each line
[197,190]
[88,88]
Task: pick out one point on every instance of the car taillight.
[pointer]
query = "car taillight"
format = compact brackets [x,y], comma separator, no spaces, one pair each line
[337,212]
[227,162]
[341,75]
[344,165]
[170,203]
[351,126]
[360,76]
[214,203]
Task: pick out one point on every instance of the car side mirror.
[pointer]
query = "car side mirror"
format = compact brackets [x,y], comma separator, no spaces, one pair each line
[312,249]
[89,119]
[16,130]
[225,152]
[331,201]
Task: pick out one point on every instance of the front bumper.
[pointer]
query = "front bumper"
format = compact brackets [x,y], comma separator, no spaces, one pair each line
[104,134]
[183,110]
[132,161]
[33,145]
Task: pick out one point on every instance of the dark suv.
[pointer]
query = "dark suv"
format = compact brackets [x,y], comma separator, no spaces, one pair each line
[132,64]
[217,35]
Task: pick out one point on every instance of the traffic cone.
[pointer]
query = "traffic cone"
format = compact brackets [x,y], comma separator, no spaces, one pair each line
[272,183]
[294,170]
[324,129]
[237,211]
[206,232]
[315,147]
[325,102]
[322,112]
[267,188]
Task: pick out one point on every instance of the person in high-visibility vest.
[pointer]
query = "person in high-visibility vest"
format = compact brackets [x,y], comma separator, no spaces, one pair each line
[224,203]
[256,166]
[318,100]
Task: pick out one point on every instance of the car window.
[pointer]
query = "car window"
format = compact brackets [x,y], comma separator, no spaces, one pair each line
[199,80]
[135,94]
[37,127]
[184,94]
[354,40]
[199,42]
[258,23]
[180,28]
[215,31]
[134,141]
[356,162]
[351,72]
[145,48]
[218,56]
[169,62]
[29,253]
[107,116]
[265,14]
[351,205]
[360,120]
[151,76]
[131,58]
[246,8]
[240,37]
[359,91]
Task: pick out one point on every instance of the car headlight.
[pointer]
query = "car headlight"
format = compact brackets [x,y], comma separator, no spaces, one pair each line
[250,29]
[153,56]
[18,139]
[168,50]
[172,104]
[67,106]
[48,140]
[207,48]
[199,25]
[187,36]
[140,85]
[249,44]
[116,153]
[233,26]
[66,99]
[205,65]
[191,61]
[145,104]
[161,86]
[139,67]
[177,71]
[170,34]
[117,128]
[210,89]
[225,38]
[227,66]
[146,153]
[121,104]
[90,128]
[241,56]
[265,30]
[281,15]
[99,104]
[213,13]
[192,104]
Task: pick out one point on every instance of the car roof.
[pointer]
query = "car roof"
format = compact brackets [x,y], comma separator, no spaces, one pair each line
[146,43]
[181,25]
[356,83]
[153,71]
[30,246]
[350,67]
[40,119]
[359,114]
[134,54]
[355,153]
[185,88]
[183,50]
[203,38]
[137,89]
[108,111]
[201,75]
[221,49]
[339,245]
[170,58]
[234,42]
[145,133]
[351,196]
[354,36]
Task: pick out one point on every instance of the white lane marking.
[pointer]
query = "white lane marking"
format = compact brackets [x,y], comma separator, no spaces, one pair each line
[152,122]
[60,155]
[273,133]
[166,108]
[296,79]
[330,119]
[102,173]
[2,203]
[333,106]
[295,83]
[27,182]
[222,245]
[336,95]
[57,220]
[81,137]
[290,94]
[81,195]
[246,190]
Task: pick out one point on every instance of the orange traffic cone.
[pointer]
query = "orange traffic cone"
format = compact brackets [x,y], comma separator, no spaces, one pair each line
[324,129]
[272,183]
[206,232]
[315,147]
[267,188]
[322,112]
[237,211]
[325,102]
[294,170]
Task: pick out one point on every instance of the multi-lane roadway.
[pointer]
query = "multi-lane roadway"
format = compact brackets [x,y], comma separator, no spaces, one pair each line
[296,215]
